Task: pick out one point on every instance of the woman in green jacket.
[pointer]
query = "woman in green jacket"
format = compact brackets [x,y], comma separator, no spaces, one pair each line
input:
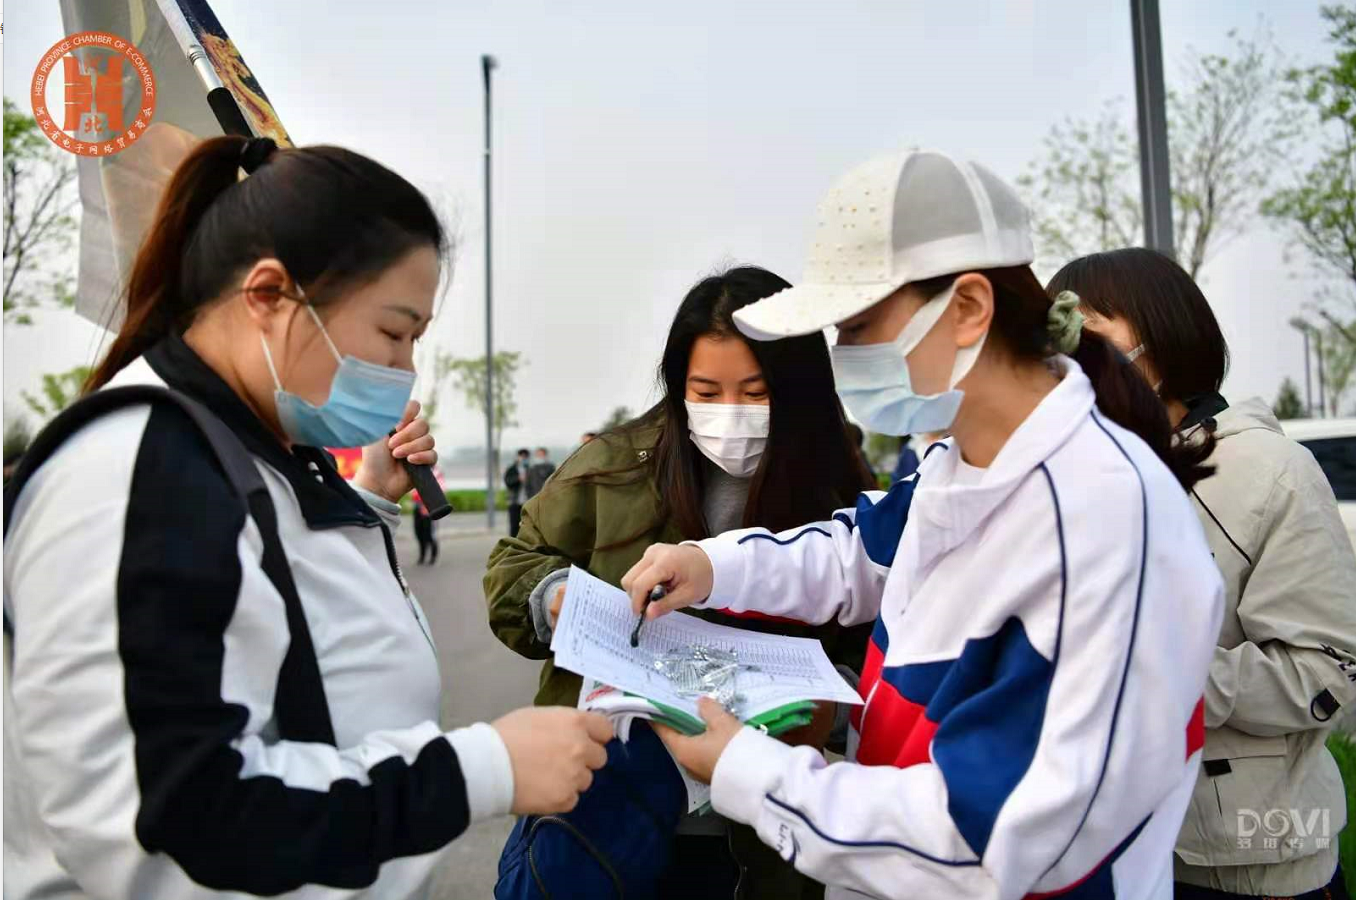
[748,434]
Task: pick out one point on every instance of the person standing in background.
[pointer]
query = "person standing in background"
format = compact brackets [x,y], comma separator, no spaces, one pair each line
[515,480]
[912,451]
[542,469]
[424,531]
[1280,674]
[907,462]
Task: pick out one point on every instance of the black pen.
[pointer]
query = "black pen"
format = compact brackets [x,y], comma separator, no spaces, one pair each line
[656,594]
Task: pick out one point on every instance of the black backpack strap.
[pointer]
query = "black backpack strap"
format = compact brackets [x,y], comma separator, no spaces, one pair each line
[299,704]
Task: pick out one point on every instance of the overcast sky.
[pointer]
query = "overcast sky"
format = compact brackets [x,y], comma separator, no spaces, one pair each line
[639,146]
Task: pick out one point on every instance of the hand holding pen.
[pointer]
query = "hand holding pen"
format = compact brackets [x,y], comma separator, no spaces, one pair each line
[683,571]
[657,593]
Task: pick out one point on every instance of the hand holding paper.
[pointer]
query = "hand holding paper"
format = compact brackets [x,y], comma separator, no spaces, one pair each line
[698,754]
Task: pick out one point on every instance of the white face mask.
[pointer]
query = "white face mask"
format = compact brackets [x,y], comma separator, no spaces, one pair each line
[731,436]
[876,386]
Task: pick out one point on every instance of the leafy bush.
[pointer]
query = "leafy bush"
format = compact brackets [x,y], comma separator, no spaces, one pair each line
[1344,750]
[464,501]
[474,501]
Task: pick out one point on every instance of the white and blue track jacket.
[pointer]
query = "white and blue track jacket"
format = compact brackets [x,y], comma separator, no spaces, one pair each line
[1033,714]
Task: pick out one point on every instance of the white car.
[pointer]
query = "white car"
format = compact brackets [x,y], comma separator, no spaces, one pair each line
[1333,444]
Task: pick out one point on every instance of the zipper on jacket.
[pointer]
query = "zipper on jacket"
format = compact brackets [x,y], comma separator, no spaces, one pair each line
[871,695]
[394,561]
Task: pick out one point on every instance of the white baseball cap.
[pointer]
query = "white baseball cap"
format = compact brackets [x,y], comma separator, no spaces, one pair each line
[893,220]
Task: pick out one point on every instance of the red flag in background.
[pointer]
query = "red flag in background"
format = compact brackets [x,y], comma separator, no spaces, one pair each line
[201,82]
[347,460]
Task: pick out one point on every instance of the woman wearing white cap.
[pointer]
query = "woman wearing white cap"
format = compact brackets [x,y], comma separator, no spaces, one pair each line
[1045,602]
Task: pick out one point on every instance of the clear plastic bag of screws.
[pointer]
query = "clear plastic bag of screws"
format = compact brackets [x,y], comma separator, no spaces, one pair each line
[699,670]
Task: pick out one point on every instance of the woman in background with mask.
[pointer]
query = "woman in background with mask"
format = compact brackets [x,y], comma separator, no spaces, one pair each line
[1044,599]
[168,731]
[1280,675]
[747,434]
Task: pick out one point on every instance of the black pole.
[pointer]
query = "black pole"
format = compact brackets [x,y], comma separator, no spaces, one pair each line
[1155,184]
[487,65]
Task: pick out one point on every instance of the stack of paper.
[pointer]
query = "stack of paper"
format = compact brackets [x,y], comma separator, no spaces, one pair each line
[778,680]
[622,709]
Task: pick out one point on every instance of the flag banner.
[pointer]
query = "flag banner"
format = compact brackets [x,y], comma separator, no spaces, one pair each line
[347,460]
[183,45]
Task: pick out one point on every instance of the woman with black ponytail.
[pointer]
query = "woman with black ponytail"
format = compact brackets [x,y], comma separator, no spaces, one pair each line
[1281,673]
[1044,601]
[218,681]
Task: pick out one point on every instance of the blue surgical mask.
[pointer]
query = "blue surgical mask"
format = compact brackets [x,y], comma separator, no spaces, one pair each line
[874,382]
[366,401]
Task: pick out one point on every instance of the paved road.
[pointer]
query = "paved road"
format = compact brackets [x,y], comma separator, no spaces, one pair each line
[482,679]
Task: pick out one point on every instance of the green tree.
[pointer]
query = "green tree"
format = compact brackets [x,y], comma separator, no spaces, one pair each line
[1289,404]
[58,392]
[1084,190]
[882,449]
[39,221]
[17,438]
[468,375]
[1319,208]
[433,366]
[1339,364]
[619,416]
[1226,135]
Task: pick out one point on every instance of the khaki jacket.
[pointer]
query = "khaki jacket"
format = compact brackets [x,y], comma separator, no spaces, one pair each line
[1269,791]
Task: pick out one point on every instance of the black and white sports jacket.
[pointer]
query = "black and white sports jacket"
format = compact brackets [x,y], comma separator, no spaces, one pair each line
[142,759]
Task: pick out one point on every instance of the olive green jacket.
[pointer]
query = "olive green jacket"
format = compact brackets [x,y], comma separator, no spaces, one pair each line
[595,514]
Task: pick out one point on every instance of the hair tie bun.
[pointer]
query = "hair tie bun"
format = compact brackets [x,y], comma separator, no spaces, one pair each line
[1064,323]
[256,152]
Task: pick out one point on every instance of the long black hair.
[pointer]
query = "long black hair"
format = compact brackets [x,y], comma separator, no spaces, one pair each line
[333,217]
[1020,313]
[810,466]
[1165,309]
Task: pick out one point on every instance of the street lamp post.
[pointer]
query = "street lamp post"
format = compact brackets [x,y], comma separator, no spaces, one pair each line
[1155,184]
[1308,382]
[487,65]
[1322,398]
[1310,332]
[1305,328]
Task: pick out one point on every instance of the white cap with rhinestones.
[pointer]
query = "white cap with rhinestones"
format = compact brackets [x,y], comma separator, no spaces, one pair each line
[893,220]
